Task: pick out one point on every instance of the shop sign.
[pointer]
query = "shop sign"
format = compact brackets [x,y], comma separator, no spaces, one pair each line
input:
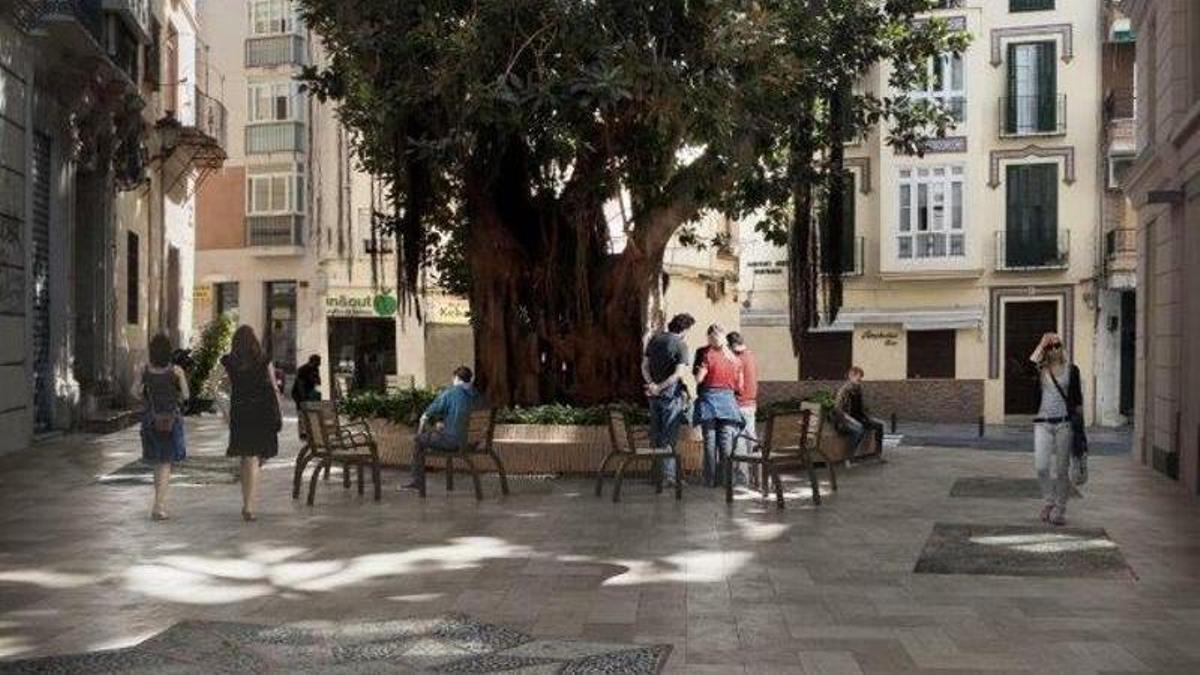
[202,293]
[447,309]
[890,338]
[362,303]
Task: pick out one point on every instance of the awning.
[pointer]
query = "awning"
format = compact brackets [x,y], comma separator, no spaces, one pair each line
[911,319]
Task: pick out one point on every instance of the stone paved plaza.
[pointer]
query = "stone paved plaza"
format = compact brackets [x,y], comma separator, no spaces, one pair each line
[747,588]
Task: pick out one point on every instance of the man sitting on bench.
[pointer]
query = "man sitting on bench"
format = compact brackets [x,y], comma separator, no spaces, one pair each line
[850,415]
[453,407]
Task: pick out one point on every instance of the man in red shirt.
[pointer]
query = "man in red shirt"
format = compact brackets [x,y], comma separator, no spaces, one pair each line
[747,397]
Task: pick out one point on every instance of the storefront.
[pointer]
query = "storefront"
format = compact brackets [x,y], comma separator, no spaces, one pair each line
[361,338]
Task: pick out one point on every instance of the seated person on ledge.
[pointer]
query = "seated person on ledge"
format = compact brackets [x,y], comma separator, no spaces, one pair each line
[850,415]
[453,407]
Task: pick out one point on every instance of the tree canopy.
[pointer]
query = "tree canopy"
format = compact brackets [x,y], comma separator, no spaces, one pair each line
[502,128]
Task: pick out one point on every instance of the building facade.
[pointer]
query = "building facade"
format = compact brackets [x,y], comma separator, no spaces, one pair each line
[105,130]
[961,259]
[1164,186]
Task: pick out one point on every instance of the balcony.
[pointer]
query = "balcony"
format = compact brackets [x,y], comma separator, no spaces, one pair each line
[1120,112]
[276,235]
[75,24]
[211,118]
[134,13]
[275,50]
[274,137]
[853,261]
[1032,252]
[1120,258]
[1022,116]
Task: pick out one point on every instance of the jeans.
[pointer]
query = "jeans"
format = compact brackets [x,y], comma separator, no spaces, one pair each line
[858,433]
[666,416]
[426,440]
[1052,445]
[719,437]
[744,445]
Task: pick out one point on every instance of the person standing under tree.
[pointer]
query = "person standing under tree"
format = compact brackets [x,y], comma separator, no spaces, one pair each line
[664,363]
[1061,396]
[163,388]
[719,375]
[254,416]
[747,400]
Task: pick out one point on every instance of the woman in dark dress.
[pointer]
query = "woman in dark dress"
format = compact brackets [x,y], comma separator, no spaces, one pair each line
[254,416]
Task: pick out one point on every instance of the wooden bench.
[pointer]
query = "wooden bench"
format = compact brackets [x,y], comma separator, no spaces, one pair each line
[628,447]
[790,440]
[481,428]
[331,439]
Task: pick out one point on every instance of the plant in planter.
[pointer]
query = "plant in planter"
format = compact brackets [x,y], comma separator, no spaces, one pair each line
[202,381]
[403,407]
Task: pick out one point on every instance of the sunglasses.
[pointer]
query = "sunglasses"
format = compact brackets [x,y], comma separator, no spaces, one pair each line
[1054,345]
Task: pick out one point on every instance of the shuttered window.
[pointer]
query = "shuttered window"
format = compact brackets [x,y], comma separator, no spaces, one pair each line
[847,238]
[1030,5]
[825,356]
[1032,102]
[1031,230]
[931,354]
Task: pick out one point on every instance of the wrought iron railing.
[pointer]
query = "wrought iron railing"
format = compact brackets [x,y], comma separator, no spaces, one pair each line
[211,118]
[88,13]
[1018,251]
[1119,104]
[1033,115]
[279,230]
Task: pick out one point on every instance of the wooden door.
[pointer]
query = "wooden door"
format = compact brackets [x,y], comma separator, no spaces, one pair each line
[1024,325]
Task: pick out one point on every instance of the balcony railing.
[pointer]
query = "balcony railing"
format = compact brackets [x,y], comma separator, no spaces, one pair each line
[853,261]
[135,13]
[275,50]
[89,14]
[211,118]
[1120,251]
[1025,252]
[282,230]
[274,137]
[1033,115]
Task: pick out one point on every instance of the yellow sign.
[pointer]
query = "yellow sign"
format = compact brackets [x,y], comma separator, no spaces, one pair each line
[202,293]
[447,309]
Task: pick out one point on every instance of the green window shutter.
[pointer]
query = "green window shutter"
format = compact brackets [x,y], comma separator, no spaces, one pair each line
[1047,87]
[1015,197]
[1029,5]
[1047,177]
[1010,113]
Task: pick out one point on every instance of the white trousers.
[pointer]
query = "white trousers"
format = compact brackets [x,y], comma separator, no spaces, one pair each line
[1052,452]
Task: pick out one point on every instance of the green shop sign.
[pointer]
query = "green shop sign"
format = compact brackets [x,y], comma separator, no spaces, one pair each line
[360,303]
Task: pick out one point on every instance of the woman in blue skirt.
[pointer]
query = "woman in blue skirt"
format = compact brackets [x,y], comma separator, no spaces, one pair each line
[163,387]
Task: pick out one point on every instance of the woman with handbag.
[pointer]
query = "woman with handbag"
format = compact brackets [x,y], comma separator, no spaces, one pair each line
[254,415]
[163,388]
[1060,413]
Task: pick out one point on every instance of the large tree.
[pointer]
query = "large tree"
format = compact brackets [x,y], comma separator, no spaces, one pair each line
[503,128]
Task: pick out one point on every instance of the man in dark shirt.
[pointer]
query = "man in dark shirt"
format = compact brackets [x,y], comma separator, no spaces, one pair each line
[852,417]
[665,361]
[305,388]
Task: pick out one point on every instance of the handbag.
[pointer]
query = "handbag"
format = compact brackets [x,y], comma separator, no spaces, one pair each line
[162,423]
[1079,441]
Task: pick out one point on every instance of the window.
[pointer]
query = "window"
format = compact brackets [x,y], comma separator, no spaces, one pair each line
[225,297]
[1030,5]
[1032,103]
[171,85]
[931,354]
[1031,231]
[280,334]
[272,17]
[825,356]
[274,194]
[1118,168]
[931,213]
[273,102]
[133,281]
[946,85]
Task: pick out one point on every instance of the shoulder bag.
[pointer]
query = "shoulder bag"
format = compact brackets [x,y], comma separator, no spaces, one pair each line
[162,423]
[1079,441]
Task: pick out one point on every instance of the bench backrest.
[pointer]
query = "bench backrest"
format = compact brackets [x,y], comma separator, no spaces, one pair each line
[816,423]
[480,428]
[786,430]
[618,431]
[319,420]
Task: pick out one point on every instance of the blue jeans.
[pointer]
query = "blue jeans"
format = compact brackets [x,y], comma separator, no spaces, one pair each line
[666,416]
[719,437]
[435,440]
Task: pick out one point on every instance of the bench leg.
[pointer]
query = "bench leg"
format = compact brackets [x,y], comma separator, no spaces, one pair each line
[361,469]
[474,477]
[298,474]
[600,473]
[327,467]
[728,469]
[678,475]
[500,469]
[812,479]
[312,484]
[619,477]
[345,475]
[778,486]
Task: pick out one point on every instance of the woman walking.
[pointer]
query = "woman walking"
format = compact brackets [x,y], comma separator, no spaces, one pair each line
[254,416]
[163,387]
[719,376]
[1061,397]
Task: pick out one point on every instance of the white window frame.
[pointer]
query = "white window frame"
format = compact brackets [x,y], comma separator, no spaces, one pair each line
[916,245]
[278,17]
[273,89]
[947,95]
[293,195]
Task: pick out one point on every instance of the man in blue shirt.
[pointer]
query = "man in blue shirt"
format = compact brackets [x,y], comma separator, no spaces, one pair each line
[453,407]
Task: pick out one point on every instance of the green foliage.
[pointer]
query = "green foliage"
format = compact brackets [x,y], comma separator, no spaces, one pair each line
[823,396]
[402,407]
[214,341]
